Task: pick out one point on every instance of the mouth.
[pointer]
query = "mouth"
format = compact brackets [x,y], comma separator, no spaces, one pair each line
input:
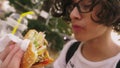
[77,28]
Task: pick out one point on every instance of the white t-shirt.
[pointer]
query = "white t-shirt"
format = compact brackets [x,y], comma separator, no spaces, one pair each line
[78,61]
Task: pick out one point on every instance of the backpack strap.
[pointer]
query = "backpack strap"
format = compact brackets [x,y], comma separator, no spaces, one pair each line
[71,51]
[118,64]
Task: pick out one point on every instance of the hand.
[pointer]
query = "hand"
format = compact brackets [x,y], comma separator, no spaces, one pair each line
[11,57]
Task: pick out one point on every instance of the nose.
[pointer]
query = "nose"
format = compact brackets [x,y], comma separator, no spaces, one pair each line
[75,14]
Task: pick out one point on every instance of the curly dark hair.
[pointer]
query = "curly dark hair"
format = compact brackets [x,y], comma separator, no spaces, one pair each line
[109,14]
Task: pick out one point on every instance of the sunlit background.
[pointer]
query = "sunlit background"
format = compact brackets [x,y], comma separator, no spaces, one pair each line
[116,37]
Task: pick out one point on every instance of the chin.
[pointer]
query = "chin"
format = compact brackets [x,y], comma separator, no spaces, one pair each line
[81,38]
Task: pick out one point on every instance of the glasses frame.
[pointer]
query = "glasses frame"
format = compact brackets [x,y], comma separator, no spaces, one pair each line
[79,7]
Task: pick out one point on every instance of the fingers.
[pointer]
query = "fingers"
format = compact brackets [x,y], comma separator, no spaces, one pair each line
[4,53]
[16,59]
[11,57]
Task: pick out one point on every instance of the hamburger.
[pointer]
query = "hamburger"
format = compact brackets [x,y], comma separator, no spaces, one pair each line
[36,55]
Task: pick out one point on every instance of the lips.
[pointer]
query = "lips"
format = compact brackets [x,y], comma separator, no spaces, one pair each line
[77,28]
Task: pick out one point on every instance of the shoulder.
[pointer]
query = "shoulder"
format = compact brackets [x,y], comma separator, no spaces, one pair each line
[60,61]
[67,45]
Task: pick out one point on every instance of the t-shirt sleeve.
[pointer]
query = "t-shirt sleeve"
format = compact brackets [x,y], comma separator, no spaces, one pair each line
[60,61]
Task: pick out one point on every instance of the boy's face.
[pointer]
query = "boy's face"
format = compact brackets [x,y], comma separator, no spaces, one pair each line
[83,26]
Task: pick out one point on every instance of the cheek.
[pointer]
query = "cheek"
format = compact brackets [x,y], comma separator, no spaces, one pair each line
[90,33]
[96,31]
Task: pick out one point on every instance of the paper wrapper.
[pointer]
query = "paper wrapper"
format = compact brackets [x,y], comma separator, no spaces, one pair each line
[4,41]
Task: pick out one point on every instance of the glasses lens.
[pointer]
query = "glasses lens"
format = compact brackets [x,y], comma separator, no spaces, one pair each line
[83,6]
[70,7]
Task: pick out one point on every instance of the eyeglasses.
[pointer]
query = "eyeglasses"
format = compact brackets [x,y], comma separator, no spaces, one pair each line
[83,6]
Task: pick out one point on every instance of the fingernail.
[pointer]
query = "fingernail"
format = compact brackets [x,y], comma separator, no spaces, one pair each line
[11,46]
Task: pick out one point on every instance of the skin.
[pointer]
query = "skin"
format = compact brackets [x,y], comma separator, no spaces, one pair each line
[11,57]
[97,46]
[96,37]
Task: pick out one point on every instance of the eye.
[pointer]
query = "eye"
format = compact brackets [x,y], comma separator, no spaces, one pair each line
[70,7]
[86,6]
[86,2]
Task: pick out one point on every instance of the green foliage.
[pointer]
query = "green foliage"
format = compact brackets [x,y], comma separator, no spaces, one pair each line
[55,29]
[60,25]
[56,41]
[18,5]
[25,5]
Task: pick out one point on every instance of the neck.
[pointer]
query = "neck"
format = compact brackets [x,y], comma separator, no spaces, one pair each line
[100,42]
[100,48]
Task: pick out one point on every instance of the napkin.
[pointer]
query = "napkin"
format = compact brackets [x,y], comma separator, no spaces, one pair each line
[4,41]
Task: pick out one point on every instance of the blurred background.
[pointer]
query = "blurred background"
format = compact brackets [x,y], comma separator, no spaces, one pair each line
[49,16]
